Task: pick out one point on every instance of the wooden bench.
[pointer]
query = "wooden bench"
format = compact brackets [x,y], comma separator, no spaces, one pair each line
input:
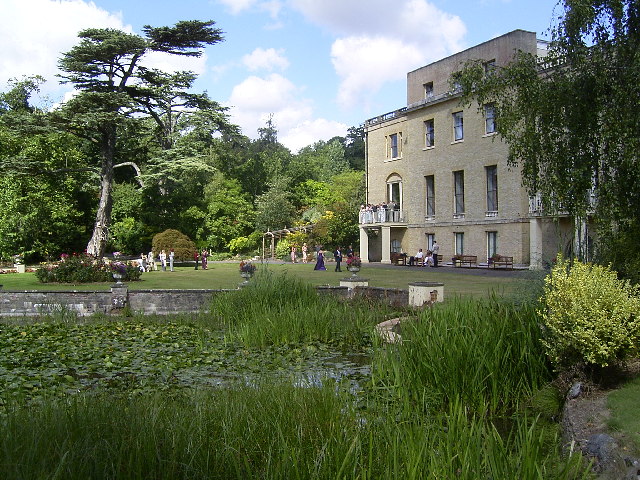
[501,261]
[465,261]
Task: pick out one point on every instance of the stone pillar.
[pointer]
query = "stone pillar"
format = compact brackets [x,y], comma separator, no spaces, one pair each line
[20,267]
[364,246]
[352,282]
[423,292]
[386,245]
[535,244]
[119,296]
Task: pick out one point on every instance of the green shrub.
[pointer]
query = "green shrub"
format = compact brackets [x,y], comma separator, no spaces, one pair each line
[589,315]
[182,245]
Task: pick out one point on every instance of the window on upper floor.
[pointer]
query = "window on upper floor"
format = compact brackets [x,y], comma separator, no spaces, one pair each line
[394,145]
[431,196]
[429,133]
[489,119]
[428,90]
[458,126]
[458,192]
[491,172]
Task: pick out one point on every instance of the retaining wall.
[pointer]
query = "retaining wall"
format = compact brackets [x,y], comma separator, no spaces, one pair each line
[85,303]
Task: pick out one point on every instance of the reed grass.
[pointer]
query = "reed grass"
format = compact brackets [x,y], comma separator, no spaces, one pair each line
[279,309]
[483,353]
[268,431]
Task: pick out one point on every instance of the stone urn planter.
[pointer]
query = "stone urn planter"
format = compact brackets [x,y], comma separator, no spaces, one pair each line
[246,276]
[118,278]
[354,270]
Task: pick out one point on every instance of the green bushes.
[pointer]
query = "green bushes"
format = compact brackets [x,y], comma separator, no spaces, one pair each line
[182,245]
[589,315]
[85,269]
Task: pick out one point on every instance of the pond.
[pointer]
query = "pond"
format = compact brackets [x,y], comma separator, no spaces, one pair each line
[60,359]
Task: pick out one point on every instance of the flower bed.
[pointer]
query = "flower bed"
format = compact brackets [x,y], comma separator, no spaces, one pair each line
[82,268]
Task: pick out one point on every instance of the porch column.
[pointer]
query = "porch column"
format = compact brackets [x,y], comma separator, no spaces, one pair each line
[535,244]
[386,244]
[364,245]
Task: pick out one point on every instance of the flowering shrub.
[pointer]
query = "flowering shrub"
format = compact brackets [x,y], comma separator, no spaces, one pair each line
[354,261]
[247,267]
[589,315]
[83,268]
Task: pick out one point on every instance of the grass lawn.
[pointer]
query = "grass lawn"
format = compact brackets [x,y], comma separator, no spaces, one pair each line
[226,275]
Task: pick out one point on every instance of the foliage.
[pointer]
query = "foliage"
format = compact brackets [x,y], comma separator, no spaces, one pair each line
[182,245]
[82,268]
[571,120]
[274,209]
[589,315]
[115,88]
[283,248]
[339,227]
[229,213]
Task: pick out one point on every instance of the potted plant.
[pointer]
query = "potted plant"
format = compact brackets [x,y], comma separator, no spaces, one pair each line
[119,271]
[247,269]
[353,265]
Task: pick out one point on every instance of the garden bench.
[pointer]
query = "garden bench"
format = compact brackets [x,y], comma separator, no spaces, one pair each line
[501,261]
[465,261]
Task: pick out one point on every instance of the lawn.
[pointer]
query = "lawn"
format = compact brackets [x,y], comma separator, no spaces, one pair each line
[226,275]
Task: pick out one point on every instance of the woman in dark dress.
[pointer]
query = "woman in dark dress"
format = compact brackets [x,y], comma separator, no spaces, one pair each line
[320,261]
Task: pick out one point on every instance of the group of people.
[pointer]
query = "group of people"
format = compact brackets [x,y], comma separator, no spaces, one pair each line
[428,258]
[380,213]
[201,258]
[148,263]
[337,256]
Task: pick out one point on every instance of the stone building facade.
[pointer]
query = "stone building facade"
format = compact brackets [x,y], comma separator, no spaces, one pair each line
[441,172]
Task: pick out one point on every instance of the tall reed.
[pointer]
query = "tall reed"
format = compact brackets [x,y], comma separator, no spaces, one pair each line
[266,431]
[485,354]
[278,309]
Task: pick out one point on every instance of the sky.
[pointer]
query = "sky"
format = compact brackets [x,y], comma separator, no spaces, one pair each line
[317,67]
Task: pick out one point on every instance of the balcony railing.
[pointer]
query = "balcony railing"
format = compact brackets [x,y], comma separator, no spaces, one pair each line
[536,206]
[381,215]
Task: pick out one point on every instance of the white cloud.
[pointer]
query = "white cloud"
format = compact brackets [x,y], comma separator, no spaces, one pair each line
[252,101]
[269,59]
[310,131]
[34,33]
[237,6]
[365,64]
[383,41]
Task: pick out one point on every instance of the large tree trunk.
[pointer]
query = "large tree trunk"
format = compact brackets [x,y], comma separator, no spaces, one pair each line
[98,241]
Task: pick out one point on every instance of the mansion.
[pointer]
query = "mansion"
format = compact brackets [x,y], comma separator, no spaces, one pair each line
[436,170]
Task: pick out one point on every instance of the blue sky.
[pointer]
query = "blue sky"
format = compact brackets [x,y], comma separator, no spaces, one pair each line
[319,66]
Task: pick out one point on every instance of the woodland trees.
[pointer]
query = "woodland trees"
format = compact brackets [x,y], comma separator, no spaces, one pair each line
[185,166]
